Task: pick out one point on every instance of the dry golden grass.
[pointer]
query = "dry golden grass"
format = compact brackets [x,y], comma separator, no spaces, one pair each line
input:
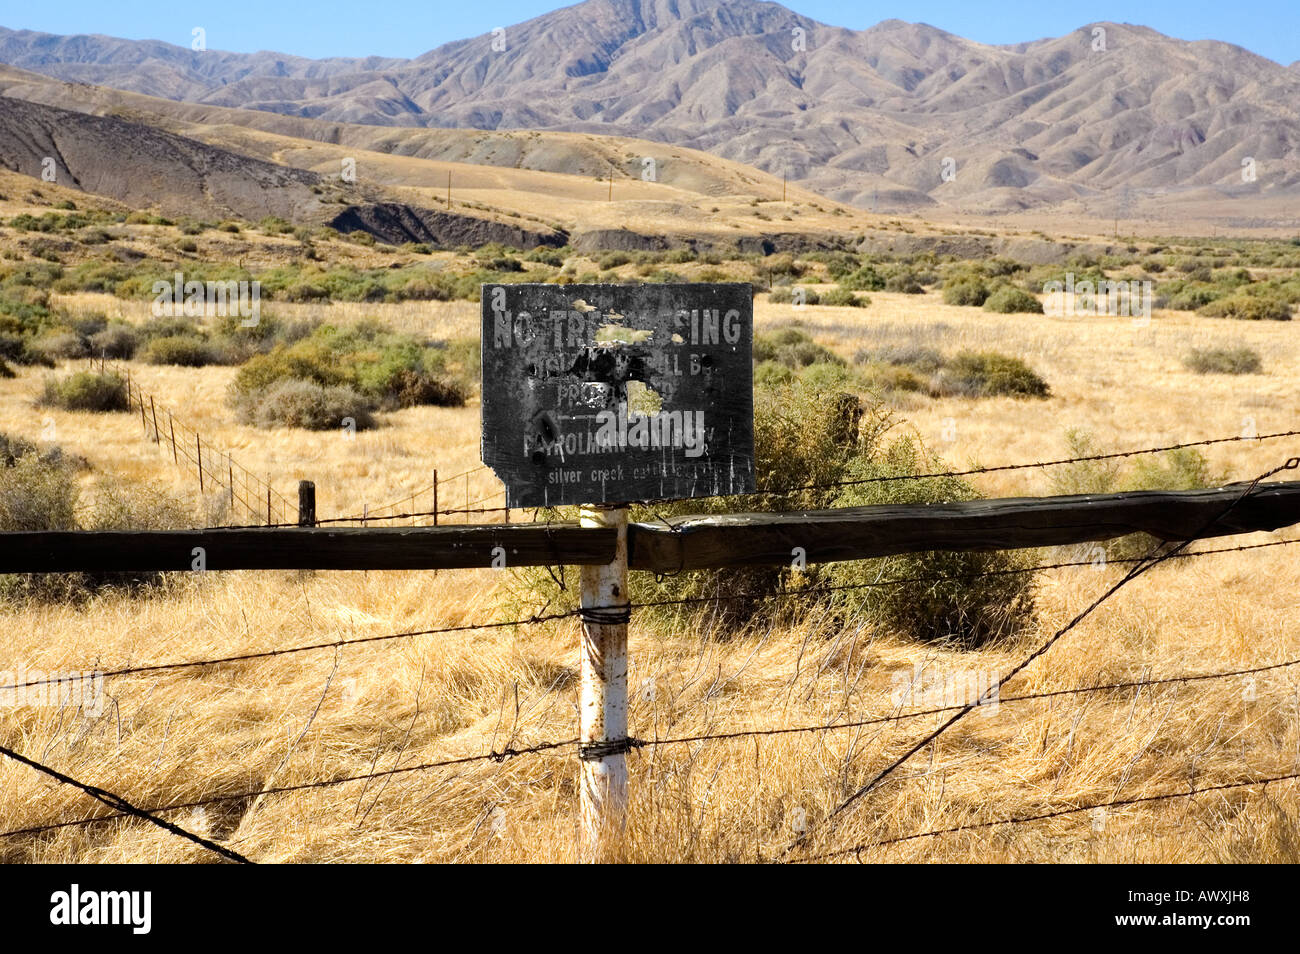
[199,733]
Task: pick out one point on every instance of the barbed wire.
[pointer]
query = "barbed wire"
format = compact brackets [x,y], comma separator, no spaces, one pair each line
[857,850]
[551,617]
[1138,569]
[289,650]
[973,471]
[818,590]
[939,710]
[1090,458]
[507,752]
[125,807]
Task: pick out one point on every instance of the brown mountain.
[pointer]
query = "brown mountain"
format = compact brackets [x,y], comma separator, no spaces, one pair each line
[898,115]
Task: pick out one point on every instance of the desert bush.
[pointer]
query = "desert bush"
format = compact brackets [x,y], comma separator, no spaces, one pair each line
[116,341]
[865,278]
[965,291]
[904,282]
[1247,308]
[1182,469]
[188,351]
[988,374]
[305,404]
[791,347]
[786,294]
[967,599]
[840,297]
[59,345]
[613,260]
[918,357]
[35,493]
[388,369]
[1240,360]
[39,492]
[86,391]
[1007,299]
[807,436]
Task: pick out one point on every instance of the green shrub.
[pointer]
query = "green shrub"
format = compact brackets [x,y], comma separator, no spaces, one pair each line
[865,278]
[1247,308]
[965,291]
[86,391]
[188,351]
[35,494]
[967,599]
[116,341]
[613,260]
[1007,299]
[793,348]
[840,297]
[806,436]
[1182,469]
[988,374]
[1223,361]
[305,404]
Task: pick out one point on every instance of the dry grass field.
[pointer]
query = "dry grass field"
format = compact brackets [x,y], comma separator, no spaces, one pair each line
[194,734]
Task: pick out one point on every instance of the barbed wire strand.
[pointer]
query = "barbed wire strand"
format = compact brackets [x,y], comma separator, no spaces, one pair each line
[288,650]
[1090,458]
[505,753]
[1025,819]
[939,710]
[551,617]
[124,807]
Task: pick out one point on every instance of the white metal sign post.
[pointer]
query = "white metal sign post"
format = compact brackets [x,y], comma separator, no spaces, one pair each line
[602,701]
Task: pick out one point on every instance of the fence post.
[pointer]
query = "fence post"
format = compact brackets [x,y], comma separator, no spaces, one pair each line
[198,445]
[171,426]
[435,498]
[230,478]
[602,735]
[306,503]
[268,505]
[153,412]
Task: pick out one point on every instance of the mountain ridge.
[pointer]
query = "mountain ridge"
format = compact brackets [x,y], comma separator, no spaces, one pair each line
[899,116]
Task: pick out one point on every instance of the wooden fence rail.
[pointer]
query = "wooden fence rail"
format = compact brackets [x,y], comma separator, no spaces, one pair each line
[685,543]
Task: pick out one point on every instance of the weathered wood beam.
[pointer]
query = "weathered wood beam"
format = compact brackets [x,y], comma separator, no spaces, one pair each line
[373,548]
[692,543]
[688,543]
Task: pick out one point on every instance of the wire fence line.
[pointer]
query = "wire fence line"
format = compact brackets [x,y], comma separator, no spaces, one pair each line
[389,512]
[857,850]
[124,807]
[498,756]
[511,752]
[544,617]
[1150,561]
[974,471]
[243,490]
[1141,565]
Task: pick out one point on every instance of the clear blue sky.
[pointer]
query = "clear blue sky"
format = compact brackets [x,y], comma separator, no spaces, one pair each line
[407,28]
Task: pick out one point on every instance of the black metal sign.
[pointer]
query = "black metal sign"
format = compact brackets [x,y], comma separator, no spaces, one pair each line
[616,393]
